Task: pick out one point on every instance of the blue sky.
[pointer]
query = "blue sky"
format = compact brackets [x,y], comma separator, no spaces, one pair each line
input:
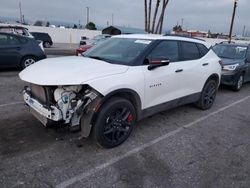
[197,14]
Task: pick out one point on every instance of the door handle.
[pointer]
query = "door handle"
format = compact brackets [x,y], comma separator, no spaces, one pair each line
[205,64]
[179,70]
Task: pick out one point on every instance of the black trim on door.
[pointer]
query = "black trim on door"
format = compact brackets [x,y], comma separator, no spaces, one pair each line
[169,105]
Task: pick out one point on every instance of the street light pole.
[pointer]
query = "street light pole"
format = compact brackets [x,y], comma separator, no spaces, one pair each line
[232,21]
[112,19]
[21,14]
[87,14]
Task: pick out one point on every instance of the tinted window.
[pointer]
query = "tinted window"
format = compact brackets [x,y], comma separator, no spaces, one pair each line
[13,40]
[248,53]
[189,51]
[8,40]
[203,49]
[166,50]
[3,39]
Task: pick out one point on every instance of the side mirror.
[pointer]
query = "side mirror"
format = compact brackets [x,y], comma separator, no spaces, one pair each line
[158,63]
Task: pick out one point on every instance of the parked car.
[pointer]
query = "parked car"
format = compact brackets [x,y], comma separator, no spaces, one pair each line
[121,81]
[85,41]
[44,37]
[89,44]
[18,51]
[19,30]
[236,63]
[82,49]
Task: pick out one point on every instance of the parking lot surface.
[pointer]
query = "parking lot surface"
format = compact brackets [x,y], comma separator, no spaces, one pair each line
[183,147]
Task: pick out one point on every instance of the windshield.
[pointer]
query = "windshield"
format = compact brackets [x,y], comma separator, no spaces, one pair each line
[230,51]
[118,50]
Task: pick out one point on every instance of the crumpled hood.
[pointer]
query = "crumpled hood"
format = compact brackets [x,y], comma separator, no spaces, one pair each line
[69,71]
[226,61]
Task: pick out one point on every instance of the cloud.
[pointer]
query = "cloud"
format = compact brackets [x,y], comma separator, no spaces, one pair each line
[197,14]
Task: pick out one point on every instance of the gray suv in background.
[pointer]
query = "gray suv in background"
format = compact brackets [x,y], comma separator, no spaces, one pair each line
[235,64]
[18,51]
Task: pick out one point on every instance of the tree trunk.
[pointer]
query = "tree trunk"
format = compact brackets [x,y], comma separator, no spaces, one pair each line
[155,15]
[149,15]
[146,14]
[161,19]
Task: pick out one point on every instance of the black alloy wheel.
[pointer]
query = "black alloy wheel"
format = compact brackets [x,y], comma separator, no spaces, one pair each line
[114,123]
[208,95]
[239,83]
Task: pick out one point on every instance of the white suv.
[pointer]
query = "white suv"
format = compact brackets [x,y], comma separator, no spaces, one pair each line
[121,81]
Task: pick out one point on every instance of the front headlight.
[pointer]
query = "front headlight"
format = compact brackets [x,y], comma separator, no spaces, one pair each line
[230,67]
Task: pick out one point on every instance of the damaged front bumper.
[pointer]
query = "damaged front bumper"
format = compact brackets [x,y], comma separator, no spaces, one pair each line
[79,113]
[41,112]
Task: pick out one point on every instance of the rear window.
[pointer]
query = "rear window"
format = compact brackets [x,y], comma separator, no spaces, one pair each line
[203,49]
[189,51]
[3,39]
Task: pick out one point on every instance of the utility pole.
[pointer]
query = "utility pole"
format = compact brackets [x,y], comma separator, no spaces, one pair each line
[23,19]
[112,19]
[21,14]
[244,29]
[232,21]
[87,14]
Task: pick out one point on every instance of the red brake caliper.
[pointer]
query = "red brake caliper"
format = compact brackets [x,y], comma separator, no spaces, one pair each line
[130,118]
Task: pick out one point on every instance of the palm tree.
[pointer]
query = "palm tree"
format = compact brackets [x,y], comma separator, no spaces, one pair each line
[148,9]
[155,15]
[149,15]
[161,18]
[146,14]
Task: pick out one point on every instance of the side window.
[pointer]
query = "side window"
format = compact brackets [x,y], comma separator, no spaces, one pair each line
[189,51]
[3,40]
[248,53]
[203,50]
[166,50]
[13,40]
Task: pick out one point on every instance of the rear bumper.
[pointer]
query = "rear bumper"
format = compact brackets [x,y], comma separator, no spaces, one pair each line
[41,112]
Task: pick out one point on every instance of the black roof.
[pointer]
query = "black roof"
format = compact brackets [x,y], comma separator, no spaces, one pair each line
[13,27]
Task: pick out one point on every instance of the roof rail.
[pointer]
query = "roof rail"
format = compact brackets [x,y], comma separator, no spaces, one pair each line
[223,42]
[174,35]
[13,26]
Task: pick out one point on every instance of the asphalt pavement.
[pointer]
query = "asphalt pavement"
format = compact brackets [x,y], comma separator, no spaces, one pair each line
[182,147]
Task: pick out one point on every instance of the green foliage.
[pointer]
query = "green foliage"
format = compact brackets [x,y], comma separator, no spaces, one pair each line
[38,23]
[90,26]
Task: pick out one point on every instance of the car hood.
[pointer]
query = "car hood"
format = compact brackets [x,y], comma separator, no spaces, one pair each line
[226,61]
[69,71]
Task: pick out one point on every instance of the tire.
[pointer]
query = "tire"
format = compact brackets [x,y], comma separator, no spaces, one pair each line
[208,95]
[114,123]
[27,61]
[239,83]
[46,44]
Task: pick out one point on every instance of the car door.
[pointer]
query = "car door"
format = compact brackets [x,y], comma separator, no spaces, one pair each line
[195,67]
[10,48]
[163,84]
